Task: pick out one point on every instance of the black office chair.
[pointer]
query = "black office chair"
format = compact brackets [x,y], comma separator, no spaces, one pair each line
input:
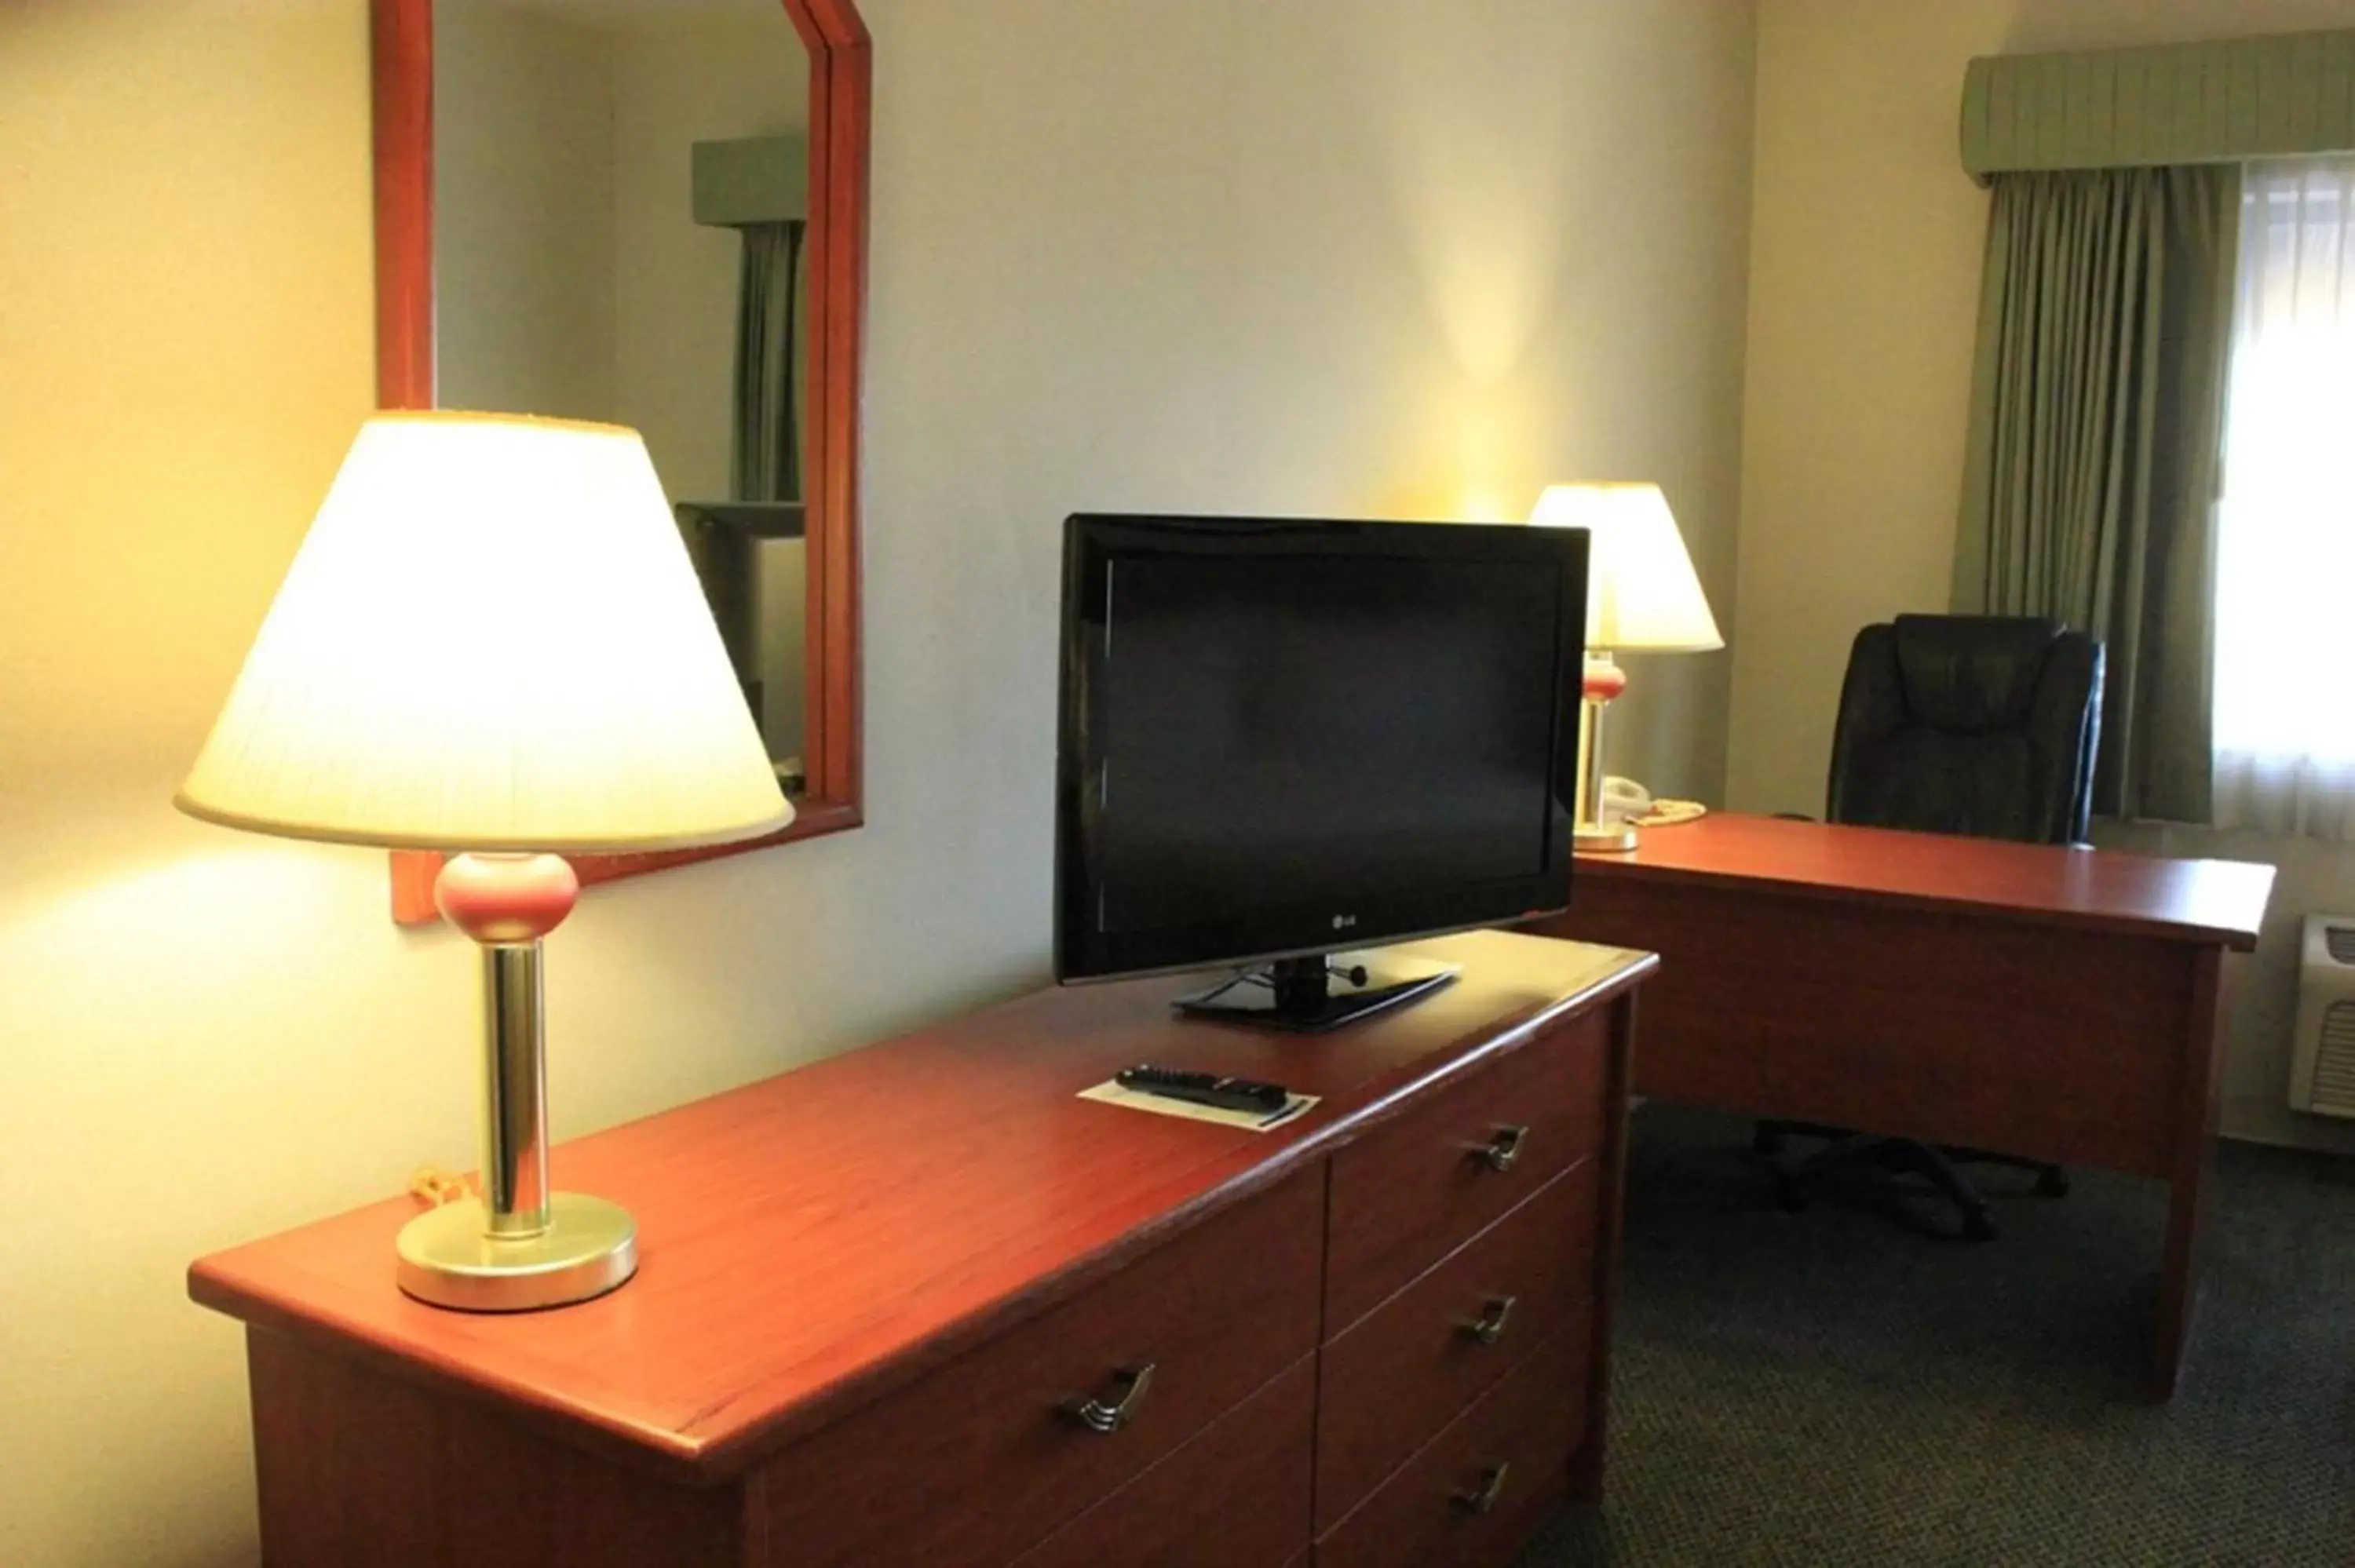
[1958,724]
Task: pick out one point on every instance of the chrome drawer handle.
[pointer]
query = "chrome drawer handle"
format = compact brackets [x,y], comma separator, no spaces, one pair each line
[1503,1150]
[1097,1416]
[1489,1326]
[1492,1486]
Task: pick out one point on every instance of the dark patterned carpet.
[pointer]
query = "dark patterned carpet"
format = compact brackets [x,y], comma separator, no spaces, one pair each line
[1830,1388]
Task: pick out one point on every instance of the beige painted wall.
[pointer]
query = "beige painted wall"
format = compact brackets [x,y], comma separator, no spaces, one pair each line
[1863,299]
[1339,255]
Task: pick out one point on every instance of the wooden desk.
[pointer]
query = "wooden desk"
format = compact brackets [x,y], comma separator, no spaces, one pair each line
[2056,1003]
[872,1289]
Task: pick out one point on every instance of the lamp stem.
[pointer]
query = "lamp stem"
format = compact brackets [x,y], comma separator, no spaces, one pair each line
[515,1091]
[1602,681]
[1590,804]
[519,1246]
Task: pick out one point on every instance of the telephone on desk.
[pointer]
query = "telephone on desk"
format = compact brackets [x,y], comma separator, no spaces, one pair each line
[1625,801]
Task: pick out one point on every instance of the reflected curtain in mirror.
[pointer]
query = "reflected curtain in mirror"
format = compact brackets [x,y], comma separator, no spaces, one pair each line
[767,440]
[618,91]
[759,187]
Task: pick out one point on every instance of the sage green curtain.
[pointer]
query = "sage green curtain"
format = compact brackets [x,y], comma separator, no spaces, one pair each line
[2091,477]
[766,447]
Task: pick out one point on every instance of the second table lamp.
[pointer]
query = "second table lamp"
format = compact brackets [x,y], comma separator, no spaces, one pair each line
[1642,595]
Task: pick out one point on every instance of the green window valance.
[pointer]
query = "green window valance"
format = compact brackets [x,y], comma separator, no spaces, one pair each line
[2224,101]
[754,179]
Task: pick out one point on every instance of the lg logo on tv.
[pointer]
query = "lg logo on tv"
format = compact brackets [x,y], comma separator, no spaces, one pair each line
[1343,922]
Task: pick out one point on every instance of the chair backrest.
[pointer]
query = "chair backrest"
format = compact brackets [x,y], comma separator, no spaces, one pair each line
[1982,725]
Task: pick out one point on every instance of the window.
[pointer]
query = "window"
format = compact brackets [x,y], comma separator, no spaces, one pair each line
[2285,669]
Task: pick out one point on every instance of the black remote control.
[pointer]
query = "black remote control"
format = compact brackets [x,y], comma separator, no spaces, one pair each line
[1204,1089]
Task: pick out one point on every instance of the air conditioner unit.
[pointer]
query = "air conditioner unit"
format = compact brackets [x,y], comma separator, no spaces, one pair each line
[2322,1076]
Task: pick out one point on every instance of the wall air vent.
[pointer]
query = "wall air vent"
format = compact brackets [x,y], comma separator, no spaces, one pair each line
[2322,1071]
[2334,1061]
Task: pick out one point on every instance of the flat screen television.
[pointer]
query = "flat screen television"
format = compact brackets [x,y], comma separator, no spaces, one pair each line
[1284,739]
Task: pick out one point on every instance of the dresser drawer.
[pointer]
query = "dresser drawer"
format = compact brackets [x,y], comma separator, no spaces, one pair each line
[1410,1193]
[1409,1367]
[1473,1496]
[971,1465]
[1234,1496]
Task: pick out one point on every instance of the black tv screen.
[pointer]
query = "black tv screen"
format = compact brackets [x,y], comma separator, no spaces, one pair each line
[1283,736]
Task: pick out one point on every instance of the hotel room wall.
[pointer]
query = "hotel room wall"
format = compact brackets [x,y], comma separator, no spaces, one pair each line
[1864,278]
[1325,256]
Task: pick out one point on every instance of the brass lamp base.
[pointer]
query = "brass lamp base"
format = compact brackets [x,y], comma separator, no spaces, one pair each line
[1619,838]
[589,1247]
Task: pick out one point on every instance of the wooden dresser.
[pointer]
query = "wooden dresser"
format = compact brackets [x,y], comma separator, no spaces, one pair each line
[920,1304]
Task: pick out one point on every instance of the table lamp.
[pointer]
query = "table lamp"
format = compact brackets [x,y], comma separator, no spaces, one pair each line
[490,643]
[1643,596]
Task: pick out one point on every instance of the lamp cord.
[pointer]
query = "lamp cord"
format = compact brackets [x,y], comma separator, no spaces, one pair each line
[431,1186]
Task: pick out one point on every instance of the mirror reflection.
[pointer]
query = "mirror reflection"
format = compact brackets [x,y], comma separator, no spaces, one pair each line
[621,194]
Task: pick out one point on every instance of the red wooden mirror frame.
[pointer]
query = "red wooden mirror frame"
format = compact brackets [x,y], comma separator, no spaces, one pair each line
[841,74]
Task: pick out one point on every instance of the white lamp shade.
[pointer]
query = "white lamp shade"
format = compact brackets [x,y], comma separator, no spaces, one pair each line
[492,638]
[1642,592]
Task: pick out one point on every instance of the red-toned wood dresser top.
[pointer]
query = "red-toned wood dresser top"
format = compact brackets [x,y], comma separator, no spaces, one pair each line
[869,1286]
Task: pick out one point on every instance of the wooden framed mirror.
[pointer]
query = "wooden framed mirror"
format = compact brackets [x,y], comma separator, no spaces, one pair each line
[463,292]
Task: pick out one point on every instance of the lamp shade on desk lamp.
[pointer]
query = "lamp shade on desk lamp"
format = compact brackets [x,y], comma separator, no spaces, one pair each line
[1642,595]
[492,641]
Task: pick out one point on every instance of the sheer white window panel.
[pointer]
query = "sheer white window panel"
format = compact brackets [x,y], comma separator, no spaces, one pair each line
[2285,694]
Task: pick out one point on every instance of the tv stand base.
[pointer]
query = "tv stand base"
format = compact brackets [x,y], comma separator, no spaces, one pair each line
[1319,993]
